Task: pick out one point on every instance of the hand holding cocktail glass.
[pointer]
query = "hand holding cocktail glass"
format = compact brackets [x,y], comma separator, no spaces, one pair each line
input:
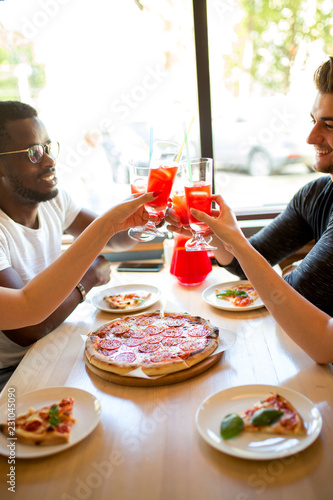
[159,178]
[198,193]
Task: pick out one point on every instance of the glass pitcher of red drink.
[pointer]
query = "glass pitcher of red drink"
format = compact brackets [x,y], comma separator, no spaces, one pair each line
[190,268]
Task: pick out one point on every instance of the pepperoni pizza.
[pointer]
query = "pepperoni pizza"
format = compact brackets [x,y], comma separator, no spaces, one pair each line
[158,344]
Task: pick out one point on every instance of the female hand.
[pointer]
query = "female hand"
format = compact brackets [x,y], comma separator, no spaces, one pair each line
[130,212]
[174,224]
[223,224]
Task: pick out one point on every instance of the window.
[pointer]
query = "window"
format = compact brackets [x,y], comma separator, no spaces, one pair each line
[113,70]
[262,57]
[102,74]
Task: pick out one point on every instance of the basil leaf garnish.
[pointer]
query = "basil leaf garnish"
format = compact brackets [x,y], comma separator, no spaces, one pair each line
[229,292]
[53,415]
[231,425]
[266,416]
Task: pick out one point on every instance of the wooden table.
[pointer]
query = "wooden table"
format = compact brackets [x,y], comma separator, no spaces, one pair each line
[146,445]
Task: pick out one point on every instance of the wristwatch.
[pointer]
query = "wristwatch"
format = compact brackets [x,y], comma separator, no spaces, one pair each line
[82,291]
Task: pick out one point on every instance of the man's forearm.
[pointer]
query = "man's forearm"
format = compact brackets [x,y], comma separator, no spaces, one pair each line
[121,242]
[28,335]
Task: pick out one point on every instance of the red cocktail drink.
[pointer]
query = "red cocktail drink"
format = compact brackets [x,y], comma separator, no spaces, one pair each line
[180,207]
[139,186]
[198,175]
[198,196]
[190,268]
[160,179]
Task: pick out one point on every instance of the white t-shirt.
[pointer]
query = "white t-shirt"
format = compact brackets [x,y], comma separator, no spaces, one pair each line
[30,251]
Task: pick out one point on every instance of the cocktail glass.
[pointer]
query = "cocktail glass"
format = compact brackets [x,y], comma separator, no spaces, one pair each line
[179,205]
[138,172]
[198,192]
[161,175]
[178,199]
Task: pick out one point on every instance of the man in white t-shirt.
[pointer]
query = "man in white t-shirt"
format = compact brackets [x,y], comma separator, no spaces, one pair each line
[33,216]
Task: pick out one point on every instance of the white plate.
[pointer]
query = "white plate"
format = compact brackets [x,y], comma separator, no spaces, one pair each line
[209,296]
[252,445]
[98,299]
[86,411]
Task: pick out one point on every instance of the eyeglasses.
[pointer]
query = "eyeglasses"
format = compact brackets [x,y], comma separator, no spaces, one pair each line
[36,153]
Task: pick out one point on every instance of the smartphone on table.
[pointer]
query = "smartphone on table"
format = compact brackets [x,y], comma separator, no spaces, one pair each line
[140,266]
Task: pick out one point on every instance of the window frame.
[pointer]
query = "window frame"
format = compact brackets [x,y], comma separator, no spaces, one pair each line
[205,112]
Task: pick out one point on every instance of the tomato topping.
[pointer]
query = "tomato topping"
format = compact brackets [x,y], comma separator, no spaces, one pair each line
[32,426]
[242,301]
[66,401]
[63,428]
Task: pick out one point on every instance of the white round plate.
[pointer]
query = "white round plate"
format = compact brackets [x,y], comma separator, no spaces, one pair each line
[98,299]
[209,296]
[255,445]
[86,411]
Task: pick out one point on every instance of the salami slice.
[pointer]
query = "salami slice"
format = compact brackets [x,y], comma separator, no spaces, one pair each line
[148,347]
[110,344]
[154,330]
[173,332]
[125,357]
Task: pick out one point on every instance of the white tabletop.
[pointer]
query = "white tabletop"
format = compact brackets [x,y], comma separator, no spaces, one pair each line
[146,445]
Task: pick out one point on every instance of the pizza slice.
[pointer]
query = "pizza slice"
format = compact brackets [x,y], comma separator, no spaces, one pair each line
[47,426]
[239,295]
[126,300]
[273,415]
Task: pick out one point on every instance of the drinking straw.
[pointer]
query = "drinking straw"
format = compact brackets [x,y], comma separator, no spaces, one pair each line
[182,146]
[142,142]
[187,154]
[150,144]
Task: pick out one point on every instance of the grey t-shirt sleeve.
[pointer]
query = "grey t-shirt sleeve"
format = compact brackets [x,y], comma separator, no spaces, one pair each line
[286,234]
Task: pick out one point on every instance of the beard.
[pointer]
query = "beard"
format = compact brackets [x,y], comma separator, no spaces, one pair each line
[323,169]
[27,196]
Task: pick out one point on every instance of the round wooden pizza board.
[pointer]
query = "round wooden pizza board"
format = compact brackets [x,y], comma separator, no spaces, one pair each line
[172,378]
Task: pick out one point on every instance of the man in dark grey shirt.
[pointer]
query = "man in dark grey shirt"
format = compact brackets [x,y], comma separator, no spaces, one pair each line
[308,216]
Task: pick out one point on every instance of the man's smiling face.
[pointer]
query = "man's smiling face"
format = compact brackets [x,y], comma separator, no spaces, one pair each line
[321,135]
[27,182]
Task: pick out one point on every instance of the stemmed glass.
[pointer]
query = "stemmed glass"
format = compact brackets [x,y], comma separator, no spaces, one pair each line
[160,177]
[198,192]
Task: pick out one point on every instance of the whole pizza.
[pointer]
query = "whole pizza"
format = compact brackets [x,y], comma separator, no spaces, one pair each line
[157,343]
